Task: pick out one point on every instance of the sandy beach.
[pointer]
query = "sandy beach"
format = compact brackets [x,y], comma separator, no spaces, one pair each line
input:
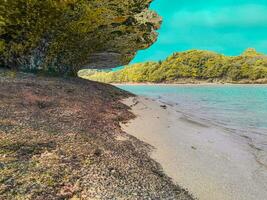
[60,138]
[209,161]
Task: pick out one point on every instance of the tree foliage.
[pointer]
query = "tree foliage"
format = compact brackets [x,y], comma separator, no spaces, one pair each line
[193,65]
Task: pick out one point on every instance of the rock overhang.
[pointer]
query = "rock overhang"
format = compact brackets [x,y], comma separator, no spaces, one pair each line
[83,34]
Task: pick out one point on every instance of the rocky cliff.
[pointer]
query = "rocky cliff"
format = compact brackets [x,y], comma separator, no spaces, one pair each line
[65,36]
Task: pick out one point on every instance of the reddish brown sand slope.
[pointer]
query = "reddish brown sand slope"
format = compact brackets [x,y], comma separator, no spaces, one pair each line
[61,139]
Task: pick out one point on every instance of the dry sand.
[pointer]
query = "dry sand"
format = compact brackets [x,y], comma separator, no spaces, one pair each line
[60,138]
[212,163]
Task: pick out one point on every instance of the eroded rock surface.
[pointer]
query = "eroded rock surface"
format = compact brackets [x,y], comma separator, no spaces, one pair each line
[64,36]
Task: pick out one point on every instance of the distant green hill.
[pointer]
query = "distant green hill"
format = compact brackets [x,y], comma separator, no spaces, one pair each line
[191,66]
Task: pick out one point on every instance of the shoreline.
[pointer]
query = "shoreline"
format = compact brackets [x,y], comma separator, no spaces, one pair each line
[60,138]
[190,84]
[208,161]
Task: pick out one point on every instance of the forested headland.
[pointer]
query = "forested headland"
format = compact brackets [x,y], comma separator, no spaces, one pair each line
[189,67]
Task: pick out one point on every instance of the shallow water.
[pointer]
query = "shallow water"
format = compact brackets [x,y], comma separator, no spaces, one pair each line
[210,161]
[242,108]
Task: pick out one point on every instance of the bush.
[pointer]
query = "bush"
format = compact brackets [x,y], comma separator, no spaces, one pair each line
[194,64]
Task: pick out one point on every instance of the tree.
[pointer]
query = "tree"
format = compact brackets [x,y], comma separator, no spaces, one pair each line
[193,64]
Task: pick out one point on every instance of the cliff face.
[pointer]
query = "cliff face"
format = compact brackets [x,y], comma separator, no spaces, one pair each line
[65,36]
[132,33]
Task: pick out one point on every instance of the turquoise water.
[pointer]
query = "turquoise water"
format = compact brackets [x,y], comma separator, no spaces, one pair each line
[238,107]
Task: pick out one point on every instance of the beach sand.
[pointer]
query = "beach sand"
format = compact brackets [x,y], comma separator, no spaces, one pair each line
[209,161]
[60,138]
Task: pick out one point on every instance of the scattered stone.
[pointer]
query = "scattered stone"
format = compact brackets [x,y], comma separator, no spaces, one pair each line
[67,191]
[163,106]
[193,147]
[98,152]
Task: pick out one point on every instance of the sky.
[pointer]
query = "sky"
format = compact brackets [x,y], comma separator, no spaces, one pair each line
[225,26]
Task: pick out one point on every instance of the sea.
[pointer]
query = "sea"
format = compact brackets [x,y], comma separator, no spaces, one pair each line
[239,108]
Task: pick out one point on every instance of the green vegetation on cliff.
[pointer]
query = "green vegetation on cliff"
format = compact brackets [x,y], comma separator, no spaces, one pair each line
[63,36]
[191,66]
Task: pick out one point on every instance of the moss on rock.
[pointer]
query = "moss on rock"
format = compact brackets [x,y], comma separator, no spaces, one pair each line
[61,37]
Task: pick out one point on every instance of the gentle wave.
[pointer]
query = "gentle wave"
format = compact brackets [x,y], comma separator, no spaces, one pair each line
[239,108]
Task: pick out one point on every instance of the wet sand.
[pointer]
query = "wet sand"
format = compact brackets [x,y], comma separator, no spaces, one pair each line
[211,162]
